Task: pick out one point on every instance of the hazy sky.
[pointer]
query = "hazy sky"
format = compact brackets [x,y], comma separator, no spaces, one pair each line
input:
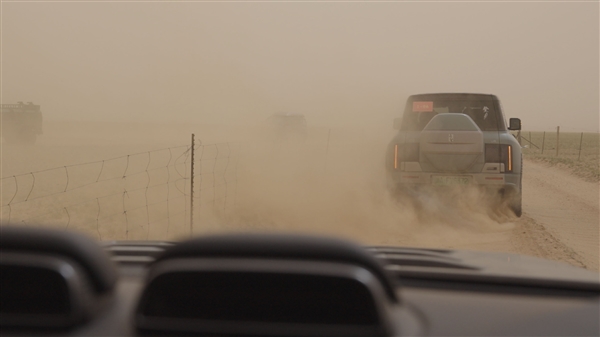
[338,63]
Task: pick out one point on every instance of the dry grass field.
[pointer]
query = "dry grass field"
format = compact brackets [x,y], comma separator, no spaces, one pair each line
[541,146]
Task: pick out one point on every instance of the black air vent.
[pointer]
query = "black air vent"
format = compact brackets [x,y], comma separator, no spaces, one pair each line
[28,290]
[267,285]
[78,248]
[260,297]
[51,278]
[281,247]
[39,291]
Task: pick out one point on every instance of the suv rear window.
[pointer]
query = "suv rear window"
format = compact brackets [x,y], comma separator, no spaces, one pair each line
[419,112]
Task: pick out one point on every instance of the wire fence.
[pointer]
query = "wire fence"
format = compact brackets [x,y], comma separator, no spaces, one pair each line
[574,145]
[578,151]
[179,191]
[139,196]
[214,189]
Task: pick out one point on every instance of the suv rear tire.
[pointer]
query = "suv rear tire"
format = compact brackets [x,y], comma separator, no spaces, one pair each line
[516,205]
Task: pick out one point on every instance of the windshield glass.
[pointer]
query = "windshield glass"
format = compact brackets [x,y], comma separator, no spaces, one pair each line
[164,120]
[483,113]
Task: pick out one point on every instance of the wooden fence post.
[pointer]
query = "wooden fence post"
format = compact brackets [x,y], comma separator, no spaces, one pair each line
[580,143]
[543,141]
[557,138]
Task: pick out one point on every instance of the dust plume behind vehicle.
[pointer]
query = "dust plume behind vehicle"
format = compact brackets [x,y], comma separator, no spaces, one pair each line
[333,183]
[339,188]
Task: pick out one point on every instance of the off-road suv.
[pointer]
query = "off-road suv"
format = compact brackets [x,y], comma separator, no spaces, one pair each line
[456,139]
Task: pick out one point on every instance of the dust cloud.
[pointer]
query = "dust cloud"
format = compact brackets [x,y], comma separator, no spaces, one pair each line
[119,78]
[339,188]
[333,183]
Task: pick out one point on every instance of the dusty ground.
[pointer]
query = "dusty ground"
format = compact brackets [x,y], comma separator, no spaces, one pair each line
[336,189]
[562,216]
[560,220]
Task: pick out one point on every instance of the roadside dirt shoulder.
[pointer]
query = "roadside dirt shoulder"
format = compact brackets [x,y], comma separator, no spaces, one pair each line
[530,238]
[562,216]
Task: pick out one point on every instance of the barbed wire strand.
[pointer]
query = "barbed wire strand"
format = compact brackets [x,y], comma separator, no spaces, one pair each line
[15,177]
[176,170]
[125,213]
[16,190]
[96,162]
[103,196]
[67,175]
[126,193]
[138,208]
[32,185]
[100,173]
[126,167]
[148,186]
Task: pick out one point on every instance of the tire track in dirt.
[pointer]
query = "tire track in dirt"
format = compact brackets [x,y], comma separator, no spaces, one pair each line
[531,238]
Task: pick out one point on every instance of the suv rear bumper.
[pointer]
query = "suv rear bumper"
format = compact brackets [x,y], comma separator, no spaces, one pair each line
[508,184]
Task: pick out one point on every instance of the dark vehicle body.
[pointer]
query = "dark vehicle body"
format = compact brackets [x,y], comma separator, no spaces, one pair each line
[21,123]
[56,283]
[456,139]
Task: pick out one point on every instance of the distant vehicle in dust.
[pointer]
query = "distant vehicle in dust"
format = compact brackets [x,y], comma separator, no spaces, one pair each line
[456,139]
[287,127]
[20,123]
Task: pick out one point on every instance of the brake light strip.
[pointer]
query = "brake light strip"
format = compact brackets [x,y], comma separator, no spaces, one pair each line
[509,158]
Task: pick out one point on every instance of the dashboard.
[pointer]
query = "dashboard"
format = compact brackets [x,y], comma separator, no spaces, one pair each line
[59,283]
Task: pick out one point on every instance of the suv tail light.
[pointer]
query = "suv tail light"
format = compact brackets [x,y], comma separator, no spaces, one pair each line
[499,153]
[405,152]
